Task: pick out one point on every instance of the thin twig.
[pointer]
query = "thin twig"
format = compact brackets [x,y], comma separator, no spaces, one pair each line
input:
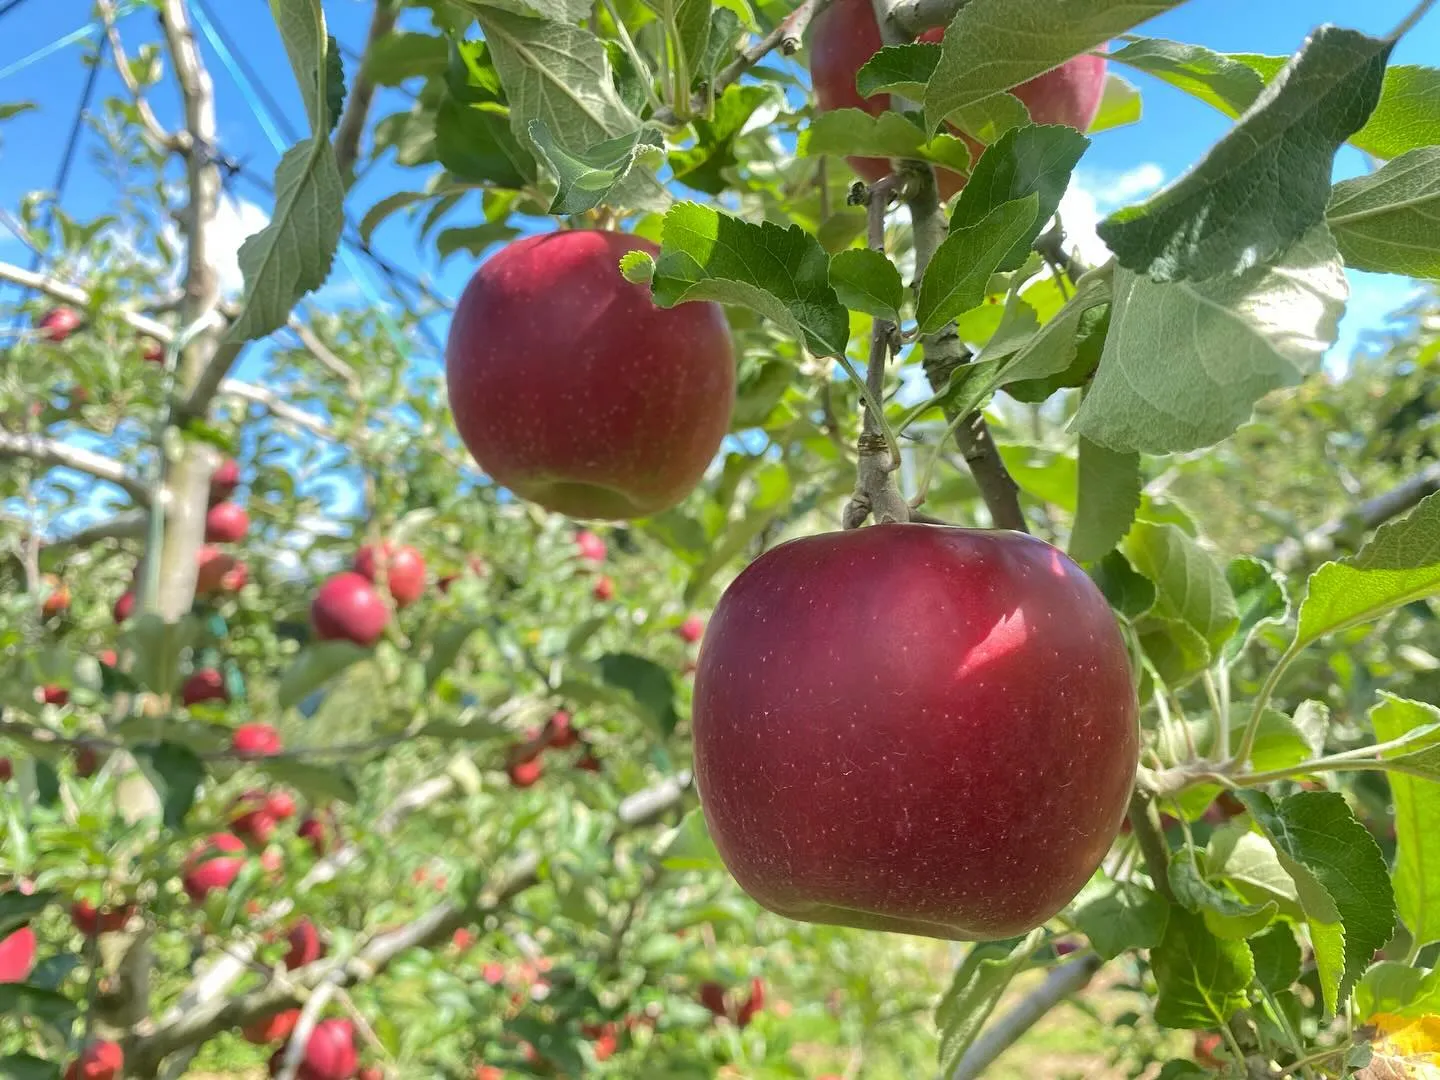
[1145,826]
[163,139]
[362,93]
[80,298]
[56,454]
[1322,541]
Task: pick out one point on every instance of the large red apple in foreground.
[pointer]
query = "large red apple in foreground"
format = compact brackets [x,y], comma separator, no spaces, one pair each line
[914,728]
[845,35]
[347,608]
[572,389]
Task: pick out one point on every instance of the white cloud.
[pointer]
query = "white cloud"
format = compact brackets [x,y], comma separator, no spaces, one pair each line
[1092,196]
[235,220]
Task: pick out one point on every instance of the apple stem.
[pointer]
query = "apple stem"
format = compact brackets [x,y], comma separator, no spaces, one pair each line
[1145,825]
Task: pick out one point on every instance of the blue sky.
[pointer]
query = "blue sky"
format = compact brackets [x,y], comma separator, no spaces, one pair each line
[1175,131]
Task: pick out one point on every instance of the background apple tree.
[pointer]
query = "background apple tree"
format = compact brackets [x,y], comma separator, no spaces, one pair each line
[465,842]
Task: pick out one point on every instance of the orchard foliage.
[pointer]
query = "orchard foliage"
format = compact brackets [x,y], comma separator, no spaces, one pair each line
[321,751]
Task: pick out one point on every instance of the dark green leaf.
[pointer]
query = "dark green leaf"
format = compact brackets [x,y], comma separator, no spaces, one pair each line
[1130,593]
[1389,221]
[49,1006]
[979,981]
[1259,596]
[960,270]
[1109,494]
[176,773]
[1277,957]
[314,667]
[704,166]
[446,647]
[854,131]
[651,685]
[17,909]
[867,281]
[899,69]
[476,144]
[1201,979]
[1226,916]
[1128,917]
[398,56]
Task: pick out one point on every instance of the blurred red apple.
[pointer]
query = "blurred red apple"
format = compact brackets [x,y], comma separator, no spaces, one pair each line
[524,774]
[226,523]
[559,731]
[330,1053]
[404,570]
[7,770]
[102,1060]
[55,695]
[124,607]
[317,829]
[58,323]
[255,740]
[274,1028]
[92,921]
[224,480]
[280,805]
[252,819]
[574,390]
[213,864]
[87,761]
[57,600]
[588,763]
[207,684]
[152,352]
[17,955]
[305,945]
[871,709]
[691,630]
[589,546]
[604,588]
[347,608]
[217,571]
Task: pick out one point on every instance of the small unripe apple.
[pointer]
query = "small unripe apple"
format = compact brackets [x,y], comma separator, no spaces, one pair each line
[845,35]
[330,1054]
[404,570]
[604,589]
[524,774]
[914,708]
[590,547]
[17,955]
[207,684]
[58,323]
[347,608]
[57,600]
[305,945]
[691,630]
[574,390]
[152,352]
[124,607]
[55,695]
[224,480]
[102,1060]
[256,740]
[213,864]
[560,731]
[271,1029]
[226,523]
[87,761]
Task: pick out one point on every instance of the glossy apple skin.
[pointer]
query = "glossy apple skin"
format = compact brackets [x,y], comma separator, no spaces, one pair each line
[404,570]
[914,728]
[845,35]
[572,389]
[347,608]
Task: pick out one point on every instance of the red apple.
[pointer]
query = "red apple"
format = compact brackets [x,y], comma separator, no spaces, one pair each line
[604,589]
[845,35]
[305,945]
[213,864]
[101,1060]
[890,721]
[494,974]
[753,1004]
[255,740]
[55,695]
[57,600]
[572,389]
[224,480]
[712,996]
[151,351]
[347,608]
[226,523]
[330,1054]
[318,830]
[559,731]
[280,805]
[274,1028]
[604,1041]
[405,570]
[589,547]
[87,761]
[1203,1049]
[462,939]
[107,658]
[207,684]
[252,818]
[92,921]
[489,1072]
[124,607]
[7,770]
[217,571]
[17,955]
[691,630]
[524,774]
[58,323]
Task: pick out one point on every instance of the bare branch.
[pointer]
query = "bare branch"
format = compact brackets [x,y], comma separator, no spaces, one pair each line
[914,17]
[57,454]
[1322,541]
[163,139]
[1063,981]
[362,93]
[322,352]
[277,406]
[129,525]
[80,298]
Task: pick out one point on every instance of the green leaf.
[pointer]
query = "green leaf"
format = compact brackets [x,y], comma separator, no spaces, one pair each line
[1190,586]
[1408,114]
[853,131]
[979,982]
[1201,979]
[865,280]
[474,142]
[1130,916]
[473,239]
[960,270]
[49,1006]
[1225,916]
[176,773]
[1389,221]
[1260,598]
[397,56]
[320,783]
[587,177]
[17,909]
[1417,821]
[155,646]
[704,165]
[726,30]
[24,1066]
[1017,40]
[559,73]
[1249,864]
[1397,989]
[1120,105]
[781,273]
[687,28]
[772,495]
[1055,349]
[1089,343]
[1129,593]
[15,108]
[445,647]
[899,69]
[1277,957]
[1184,362]
[690,846]
[1265,184]
[1321,844]
[292,255]
[1032,160]
[1109,494]
[1400,564]
[650,685]
[1218,80]
[314,667]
